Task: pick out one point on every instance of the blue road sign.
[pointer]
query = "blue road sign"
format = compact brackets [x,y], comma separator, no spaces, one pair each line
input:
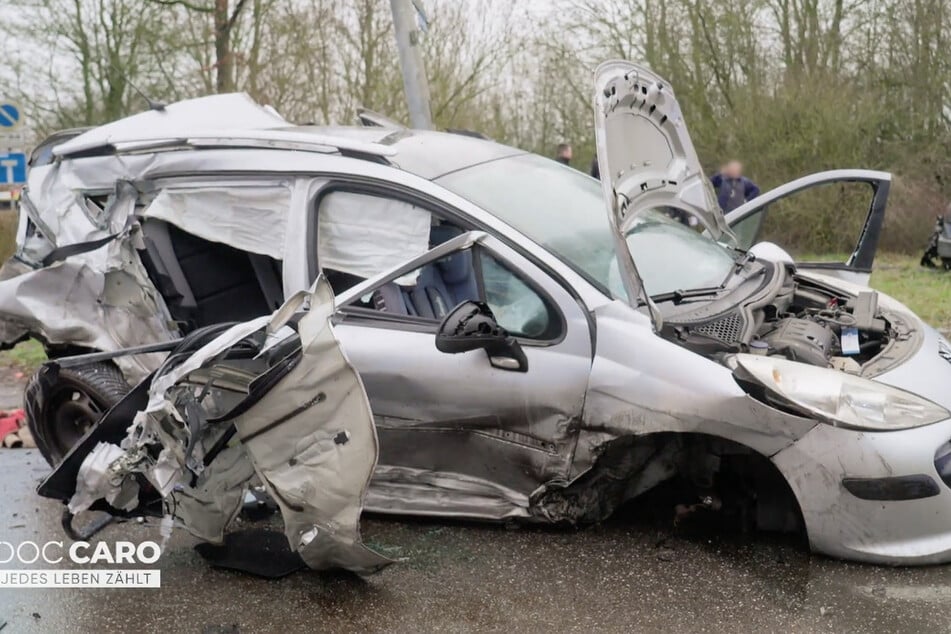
[9,115]
[12,168]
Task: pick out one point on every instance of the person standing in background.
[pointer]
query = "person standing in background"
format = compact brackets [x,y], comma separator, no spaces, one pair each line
[733,189]
[563,153]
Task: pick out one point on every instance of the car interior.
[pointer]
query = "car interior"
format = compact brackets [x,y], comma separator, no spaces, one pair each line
[470,274]
[205,282]
[360,235]
[440,286]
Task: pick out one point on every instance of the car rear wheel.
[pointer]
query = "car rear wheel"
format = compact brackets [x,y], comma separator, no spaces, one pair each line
[60,408]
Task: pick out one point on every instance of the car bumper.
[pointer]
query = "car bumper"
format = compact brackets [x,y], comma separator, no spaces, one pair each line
[905,525]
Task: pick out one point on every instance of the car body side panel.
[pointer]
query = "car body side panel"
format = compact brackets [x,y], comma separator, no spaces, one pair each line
[456,429]
[312,442]
[470,427]
[642,384]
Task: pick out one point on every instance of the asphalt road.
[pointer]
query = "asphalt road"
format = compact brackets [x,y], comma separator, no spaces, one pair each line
[626,575]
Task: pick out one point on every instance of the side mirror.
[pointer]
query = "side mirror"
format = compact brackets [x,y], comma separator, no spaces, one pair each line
[470,326]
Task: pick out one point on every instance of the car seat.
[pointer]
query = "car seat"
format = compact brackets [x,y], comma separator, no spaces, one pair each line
[441,285]
[446,282]
[205,282]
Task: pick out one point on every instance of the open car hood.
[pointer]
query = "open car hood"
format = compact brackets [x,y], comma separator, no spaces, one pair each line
[260,402]
[646,157]
[645,154]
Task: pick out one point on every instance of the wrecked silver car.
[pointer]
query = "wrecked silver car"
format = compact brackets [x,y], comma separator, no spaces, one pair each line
[533,345]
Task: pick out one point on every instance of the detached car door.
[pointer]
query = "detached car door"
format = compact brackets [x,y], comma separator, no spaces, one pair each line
[830,222]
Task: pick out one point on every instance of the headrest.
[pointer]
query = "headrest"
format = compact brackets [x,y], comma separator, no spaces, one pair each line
[456,268]
[442,233]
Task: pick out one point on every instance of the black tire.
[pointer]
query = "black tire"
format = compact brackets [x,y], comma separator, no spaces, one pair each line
[60,407]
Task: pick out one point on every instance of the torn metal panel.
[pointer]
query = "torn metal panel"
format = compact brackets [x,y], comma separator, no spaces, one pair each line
[314,446]
[60,195]
[60,221]
[627,466]
[210,506]
[97,479]
[76,278]
[303,427]
[101,300]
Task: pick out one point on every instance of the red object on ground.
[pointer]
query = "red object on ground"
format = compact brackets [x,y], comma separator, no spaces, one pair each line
[10,424]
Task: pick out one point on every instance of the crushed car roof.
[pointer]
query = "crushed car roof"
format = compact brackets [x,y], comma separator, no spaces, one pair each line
[235,120]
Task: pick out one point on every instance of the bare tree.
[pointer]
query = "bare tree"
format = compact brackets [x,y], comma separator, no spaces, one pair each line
[224,18]
[85,60]
[790,86]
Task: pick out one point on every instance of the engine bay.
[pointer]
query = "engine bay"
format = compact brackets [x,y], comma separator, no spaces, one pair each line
[770,309]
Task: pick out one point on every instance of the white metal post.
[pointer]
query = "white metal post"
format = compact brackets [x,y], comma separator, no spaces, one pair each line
[415,84]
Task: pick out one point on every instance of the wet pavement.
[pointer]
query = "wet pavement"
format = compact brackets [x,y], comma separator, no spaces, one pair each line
[625,575]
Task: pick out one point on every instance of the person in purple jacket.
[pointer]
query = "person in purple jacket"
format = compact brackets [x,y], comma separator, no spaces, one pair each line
[733,189]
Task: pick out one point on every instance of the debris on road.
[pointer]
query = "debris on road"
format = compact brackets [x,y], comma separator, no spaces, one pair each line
[14,433]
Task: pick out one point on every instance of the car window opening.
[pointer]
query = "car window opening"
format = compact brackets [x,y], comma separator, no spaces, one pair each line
[360,236]
[205,282]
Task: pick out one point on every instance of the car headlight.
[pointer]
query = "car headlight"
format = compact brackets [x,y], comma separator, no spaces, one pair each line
[832,396]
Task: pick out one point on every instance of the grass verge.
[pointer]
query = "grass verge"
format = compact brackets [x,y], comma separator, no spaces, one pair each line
[925,291]
[25,357]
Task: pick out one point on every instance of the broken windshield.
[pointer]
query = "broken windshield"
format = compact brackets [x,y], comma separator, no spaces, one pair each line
[562,209]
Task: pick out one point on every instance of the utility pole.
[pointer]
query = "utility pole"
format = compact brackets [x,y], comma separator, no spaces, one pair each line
[411,62]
